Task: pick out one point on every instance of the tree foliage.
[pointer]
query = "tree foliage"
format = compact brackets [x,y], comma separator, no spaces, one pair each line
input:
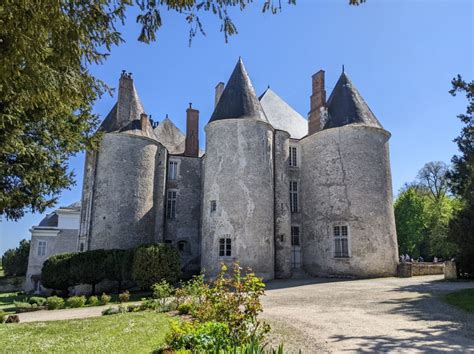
[56,272]
[461,178]
[15,261]
[47,91]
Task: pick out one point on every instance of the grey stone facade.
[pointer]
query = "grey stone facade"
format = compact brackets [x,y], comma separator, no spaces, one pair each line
[268,192]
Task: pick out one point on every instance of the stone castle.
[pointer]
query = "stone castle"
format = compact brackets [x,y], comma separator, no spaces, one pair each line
[273,191]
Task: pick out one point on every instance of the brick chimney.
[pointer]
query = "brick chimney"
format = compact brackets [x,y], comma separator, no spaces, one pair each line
[219,90]
[318,104]
[192,132]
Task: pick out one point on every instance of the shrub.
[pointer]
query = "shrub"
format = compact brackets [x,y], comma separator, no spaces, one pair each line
[56,272]
[54,302]
[150,304]
[105,299]
[234,300]
[40,301]
[93,301]
[134,308]
[76,301]
[161,292]
[125,296]
[199,337]
[13,319]
[25,307]
[184,308]
[154,263]
[114,310]
[118,266]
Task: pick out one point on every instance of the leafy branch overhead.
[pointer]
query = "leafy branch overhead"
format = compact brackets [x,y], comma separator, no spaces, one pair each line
[47,91]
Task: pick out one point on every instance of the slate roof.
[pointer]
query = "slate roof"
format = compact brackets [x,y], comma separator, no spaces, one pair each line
[135,127]
[346,106]
[170,136]
[282,116]
[238,99]
[49,220]
[128,107]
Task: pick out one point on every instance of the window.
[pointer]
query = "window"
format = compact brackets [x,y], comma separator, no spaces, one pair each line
[41,248]
[294,196]
[173,170]
[81,246]
[183,247]
[295,235]
[171,205]
[213,206]
[341,241]
[293,160]
[225,247]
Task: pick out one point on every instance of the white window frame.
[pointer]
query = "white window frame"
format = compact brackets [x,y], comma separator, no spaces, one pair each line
[341,233]
[173,168]
[42,248]
[294,200]
[225,246]
[171,200]
[293,159]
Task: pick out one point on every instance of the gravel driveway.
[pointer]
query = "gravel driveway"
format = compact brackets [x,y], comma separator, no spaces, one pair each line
[373,315]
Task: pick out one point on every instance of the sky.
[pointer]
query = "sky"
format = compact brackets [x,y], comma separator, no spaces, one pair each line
[401,55]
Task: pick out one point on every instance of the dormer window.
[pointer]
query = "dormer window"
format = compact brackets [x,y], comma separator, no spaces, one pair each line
[173,170]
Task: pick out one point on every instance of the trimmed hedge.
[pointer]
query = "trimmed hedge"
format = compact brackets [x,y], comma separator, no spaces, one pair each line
[154,263]
[146,265]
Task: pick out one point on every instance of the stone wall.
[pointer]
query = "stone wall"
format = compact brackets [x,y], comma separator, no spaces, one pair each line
[128,189]
[185,227]
[346,180]
[408,269]
[238,176]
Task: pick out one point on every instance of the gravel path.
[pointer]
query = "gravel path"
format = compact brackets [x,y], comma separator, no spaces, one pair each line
[373,315]
[66,314]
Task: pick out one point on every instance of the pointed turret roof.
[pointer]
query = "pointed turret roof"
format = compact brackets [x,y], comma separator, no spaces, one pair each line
[238,99]
[346,106]
[127,109]
[282,116]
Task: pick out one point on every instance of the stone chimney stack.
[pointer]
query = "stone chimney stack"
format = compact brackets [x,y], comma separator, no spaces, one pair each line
[219,90]
[318,104]
[144,122]
[192,132]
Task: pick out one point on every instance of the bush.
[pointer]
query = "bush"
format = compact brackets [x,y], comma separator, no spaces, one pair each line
[154,263]
[161,292]
[199,337]
[125,296]
[40,301]
[25,307]
[54,302]
[134,308]
[56,272]
[89,267]
[114,310]
[76,301]
[15,261]
[118,266]
[93,301]
[105,299]
[184,308]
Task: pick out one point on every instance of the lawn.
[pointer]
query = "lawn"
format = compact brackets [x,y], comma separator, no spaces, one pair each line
[2,273]
[6,301]
[463,299]
[139,332]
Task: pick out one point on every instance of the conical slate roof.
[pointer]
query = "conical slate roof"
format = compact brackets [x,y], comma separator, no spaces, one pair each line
[127,109]
[238,99]
[282,116]
[346,106]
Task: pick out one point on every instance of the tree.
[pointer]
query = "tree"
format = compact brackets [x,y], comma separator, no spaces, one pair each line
[47,91]
[433,176]
[89,267]
[461,179]
[15,261]
[410,219]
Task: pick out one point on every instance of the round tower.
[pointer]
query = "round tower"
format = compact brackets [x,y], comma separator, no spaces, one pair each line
[238,198]
[349,225]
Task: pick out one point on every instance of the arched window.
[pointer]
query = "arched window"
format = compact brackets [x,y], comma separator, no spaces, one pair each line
[183,247]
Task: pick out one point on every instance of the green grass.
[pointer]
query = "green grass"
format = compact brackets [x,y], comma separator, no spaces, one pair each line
[6,301]
[139,332]
[2,273]
[462,299]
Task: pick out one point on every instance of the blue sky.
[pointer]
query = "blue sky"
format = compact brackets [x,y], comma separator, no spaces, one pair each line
[401,55]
